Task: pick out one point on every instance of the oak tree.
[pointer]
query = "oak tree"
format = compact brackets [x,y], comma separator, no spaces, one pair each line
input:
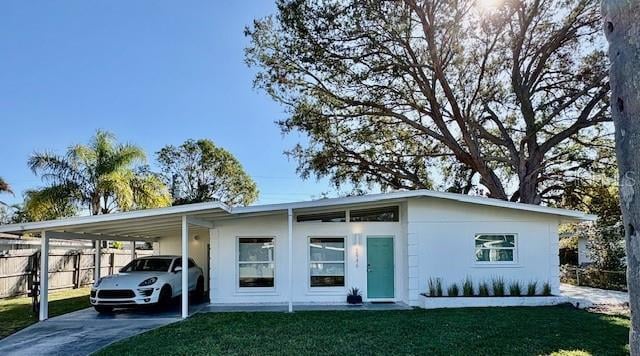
[622,29]
[199,171]
[400,94]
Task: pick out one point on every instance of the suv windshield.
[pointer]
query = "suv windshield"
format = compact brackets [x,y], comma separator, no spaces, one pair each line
[148,265]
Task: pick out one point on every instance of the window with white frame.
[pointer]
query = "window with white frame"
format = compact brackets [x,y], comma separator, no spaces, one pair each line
[326,261]
[495,248]
[256,262]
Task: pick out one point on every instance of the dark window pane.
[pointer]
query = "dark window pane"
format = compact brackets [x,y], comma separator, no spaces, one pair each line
[177,263]
[494,255]
[256,282]
[387,213]
[148,265]
[482,255]
[327,281]
[335,216]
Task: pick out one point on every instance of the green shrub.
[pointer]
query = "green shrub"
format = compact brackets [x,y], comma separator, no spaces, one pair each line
[497,283]
[467,287]
[453,290]
[515,289]
[435,287]
[483,289]
[432,288]
[531,288]
[546,289]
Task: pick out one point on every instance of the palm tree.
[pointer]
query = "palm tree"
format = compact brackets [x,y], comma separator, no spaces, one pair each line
[101,176]
[4,188]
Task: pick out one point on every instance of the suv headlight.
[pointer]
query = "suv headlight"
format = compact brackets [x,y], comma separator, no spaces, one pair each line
[148,282]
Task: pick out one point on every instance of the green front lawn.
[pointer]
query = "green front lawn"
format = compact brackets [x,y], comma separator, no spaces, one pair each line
[485,331]
[16,313]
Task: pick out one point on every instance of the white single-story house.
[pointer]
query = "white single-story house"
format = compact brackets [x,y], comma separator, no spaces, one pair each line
[387,245]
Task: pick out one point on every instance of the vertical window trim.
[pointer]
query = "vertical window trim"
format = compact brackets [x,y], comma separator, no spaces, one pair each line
[345,262]
[515,249]
[237,263]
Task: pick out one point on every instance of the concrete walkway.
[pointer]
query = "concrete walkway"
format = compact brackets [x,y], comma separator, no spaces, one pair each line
[281,307]
[586,297]
[85,331]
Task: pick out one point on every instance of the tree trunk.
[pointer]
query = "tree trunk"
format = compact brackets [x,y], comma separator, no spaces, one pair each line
[95,204]
[622,28]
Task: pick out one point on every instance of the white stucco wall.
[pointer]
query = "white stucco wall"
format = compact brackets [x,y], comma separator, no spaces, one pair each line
[434,238]
[197,248]
[224,259]
[441,244]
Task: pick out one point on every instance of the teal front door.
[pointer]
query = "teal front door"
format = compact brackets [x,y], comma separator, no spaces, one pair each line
[380,267]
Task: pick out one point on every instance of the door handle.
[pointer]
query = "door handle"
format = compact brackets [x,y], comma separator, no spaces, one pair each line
[369,267]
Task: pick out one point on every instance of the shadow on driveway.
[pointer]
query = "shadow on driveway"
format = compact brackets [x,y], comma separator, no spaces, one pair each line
[85,331]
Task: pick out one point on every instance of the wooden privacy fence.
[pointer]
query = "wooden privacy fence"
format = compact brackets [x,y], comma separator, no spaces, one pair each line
[68,268]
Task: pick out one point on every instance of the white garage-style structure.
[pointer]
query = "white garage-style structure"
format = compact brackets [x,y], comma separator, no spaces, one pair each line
[387,245]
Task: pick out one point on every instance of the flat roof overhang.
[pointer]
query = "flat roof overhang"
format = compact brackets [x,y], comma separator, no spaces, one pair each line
[140,225]
[166,222]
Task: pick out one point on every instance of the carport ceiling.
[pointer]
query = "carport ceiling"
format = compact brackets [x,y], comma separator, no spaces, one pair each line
[142,224]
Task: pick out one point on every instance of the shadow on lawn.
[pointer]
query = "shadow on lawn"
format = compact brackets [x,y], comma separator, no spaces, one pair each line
[558,330]
[592,334]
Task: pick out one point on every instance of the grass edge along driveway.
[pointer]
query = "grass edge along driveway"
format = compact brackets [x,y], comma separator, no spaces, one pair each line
[16,313]
[558,330]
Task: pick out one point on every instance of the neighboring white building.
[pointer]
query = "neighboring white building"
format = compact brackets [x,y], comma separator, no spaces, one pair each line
[583,252]
[387,245]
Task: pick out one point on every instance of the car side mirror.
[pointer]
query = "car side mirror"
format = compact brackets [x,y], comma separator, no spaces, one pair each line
[177,269]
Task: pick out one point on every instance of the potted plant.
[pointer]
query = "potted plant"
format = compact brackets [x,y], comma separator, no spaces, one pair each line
[354,296]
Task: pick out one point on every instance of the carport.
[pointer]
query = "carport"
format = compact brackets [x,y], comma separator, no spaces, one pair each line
[163,226]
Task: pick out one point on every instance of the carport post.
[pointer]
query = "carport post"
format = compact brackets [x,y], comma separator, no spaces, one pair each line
[185,267]
[97,263]
[44,276]
[133,250]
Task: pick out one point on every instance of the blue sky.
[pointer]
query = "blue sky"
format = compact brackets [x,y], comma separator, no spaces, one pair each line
[152,72]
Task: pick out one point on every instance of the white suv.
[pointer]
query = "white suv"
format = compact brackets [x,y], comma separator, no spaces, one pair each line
[145,281]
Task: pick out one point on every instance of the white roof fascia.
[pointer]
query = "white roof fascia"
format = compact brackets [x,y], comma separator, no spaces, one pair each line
[329,202]
[146,213]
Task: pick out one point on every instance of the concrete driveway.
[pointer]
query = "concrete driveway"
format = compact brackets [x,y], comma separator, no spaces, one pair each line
[85,331]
